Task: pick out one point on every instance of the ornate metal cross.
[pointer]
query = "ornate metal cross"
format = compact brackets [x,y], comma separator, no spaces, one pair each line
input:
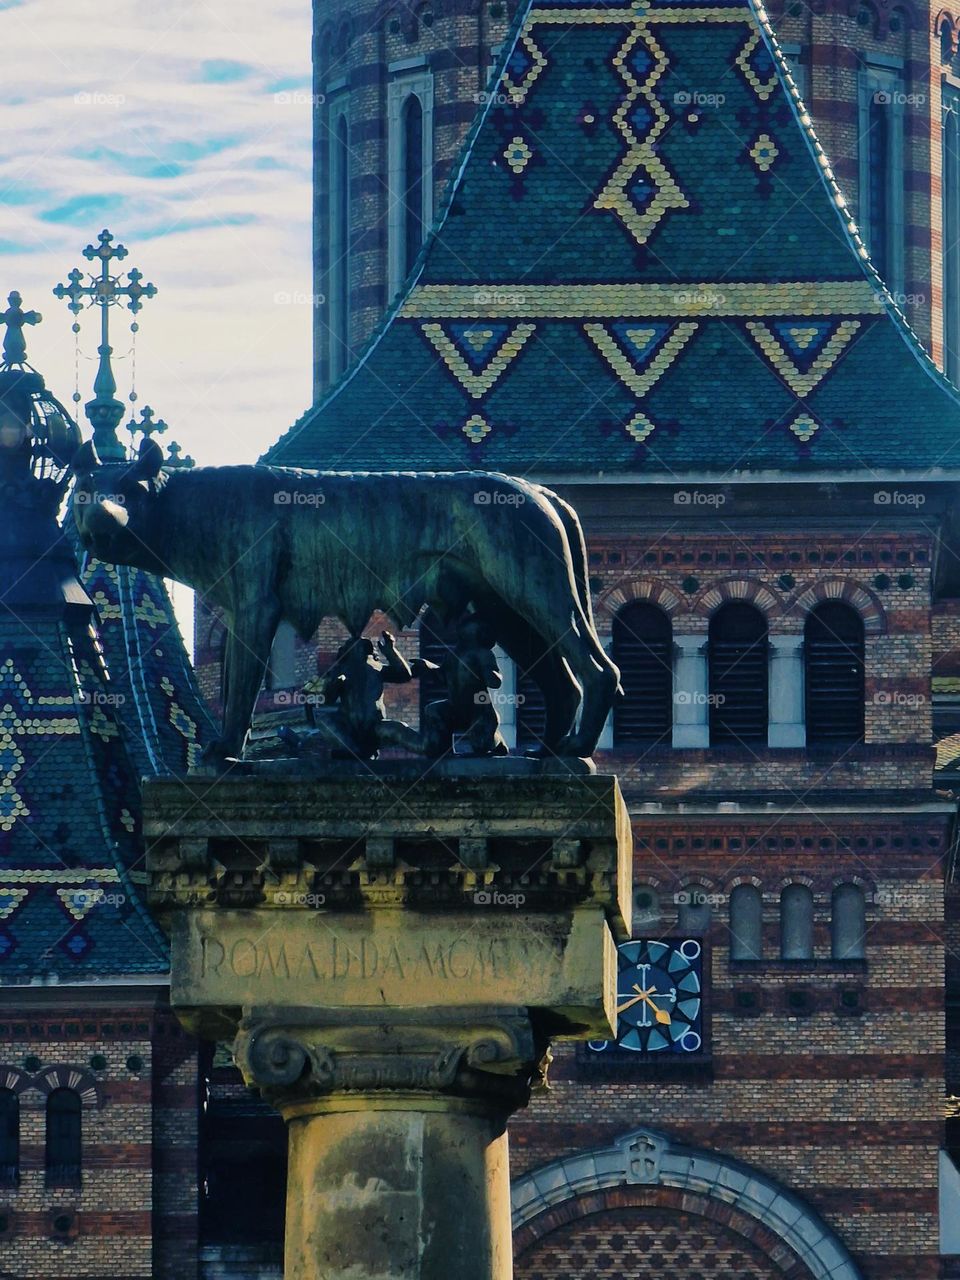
[14,344]
[146,427]
[105,290]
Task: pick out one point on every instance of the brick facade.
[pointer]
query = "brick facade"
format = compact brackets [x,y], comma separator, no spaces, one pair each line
[133,1213]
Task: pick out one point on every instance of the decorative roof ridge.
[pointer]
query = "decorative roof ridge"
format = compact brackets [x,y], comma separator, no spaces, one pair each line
[111,844]
[851,228]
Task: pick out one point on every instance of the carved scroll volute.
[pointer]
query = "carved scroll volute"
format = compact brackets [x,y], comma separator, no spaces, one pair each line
[274,1058]
[290,1059]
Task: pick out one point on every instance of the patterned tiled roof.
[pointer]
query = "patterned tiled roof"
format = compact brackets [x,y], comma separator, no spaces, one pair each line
[166,720]
[70,842]
[643,265]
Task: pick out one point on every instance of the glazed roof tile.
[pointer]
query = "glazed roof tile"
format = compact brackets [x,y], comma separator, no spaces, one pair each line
[643,265]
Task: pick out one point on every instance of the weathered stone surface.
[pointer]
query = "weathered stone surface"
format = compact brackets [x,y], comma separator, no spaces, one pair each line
[562,961]
[391,958]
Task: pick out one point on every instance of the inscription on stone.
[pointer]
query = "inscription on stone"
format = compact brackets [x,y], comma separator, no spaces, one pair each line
[335,959]
[559,960]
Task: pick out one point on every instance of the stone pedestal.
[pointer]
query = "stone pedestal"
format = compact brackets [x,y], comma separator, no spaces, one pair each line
[391,957]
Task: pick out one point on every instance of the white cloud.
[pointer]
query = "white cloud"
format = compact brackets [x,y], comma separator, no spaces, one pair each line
[164,124]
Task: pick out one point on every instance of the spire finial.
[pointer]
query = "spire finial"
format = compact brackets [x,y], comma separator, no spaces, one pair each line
[14,343]
[105,290]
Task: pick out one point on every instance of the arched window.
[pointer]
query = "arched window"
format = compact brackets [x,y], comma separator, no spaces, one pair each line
[412,180]
[796,923]
[643,650]
[848,923]
[9,1138]
[833,680]
[339,263]
[746,923]
[693,911]
[737,651]
[63,1138]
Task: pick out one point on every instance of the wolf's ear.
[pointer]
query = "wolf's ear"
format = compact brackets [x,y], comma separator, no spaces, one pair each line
[85,460]
[149,462]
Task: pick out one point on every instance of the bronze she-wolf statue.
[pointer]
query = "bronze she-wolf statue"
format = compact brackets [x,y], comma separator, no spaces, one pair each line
[269,544]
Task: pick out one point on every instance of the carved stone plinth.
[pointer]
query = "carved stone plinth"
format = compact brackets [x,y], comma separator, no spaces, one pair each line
[391,959]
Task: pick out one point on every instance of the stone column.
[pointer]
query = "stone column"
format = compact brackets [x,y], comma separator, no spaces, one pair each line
[391,957]
[398,1160]
[786,724]
[691,724]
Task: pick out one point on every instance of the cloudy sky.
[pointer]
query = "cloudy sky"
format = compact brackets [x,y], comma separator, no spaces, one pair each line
[184,127]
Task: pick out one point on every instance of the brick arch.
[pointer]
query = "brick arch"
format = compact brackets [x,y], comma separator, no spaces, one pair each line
[881,12]
[852,593]
[737,591]
[745,877]
[15,1079]
[70,1077]
[647,590]
[947,27]
[646,1168]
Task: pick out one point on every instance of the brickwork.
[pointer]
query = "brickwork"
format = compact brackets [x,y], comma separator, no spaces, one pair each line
[614,1242]
[356,45]
[132,1214]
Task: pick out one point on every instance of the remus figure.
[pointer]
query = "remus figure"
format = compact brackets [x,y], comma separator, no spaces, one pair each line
[351,717]
[470,671]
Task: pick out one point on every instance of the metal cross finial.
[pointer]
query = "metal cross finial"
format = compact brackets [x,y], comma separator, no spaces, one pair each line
[14,344]
[105,290]
[146,426]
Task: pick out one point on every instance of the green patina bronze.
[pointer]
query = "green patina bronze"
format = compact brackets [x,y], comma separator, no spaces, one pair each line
[268,544]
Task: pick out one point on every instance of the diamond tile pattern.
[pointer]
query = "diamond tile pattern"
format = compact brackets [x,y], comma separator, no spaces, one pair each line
[678,286]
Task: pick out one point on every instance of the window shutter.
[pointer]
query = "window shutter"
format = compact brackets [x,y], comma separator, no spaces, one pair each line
[643,650]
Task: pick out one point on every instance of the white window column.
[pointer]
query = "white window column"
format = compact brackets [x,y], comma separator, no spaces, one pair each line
[505,699]
[786,726]
[691,725]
